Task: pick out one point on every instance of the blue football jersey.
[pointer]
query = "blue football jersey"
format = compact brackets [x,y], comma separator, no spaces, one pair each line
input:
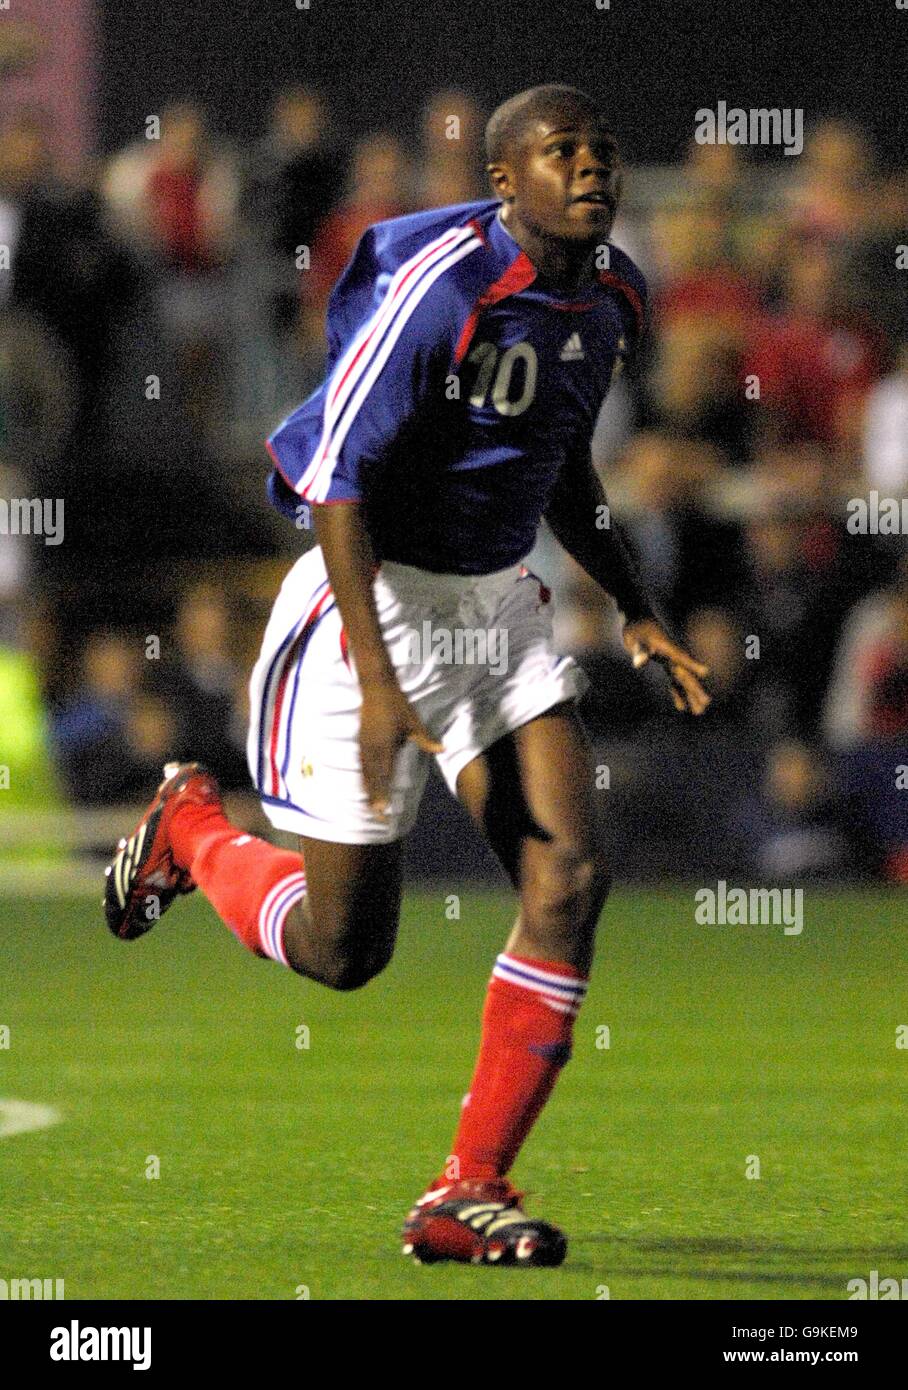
[456,388]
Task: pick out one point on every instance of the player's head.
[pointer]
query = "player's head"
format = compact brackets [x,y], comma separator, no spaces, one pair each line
[554,162]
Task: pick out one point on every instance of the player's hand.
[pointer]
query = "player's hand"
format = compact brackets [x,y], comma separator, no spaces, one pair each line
[646,641]
[387,722]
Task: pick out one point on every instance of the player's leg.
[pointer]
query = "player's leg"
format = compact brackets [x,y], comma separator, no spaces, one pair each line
[330,913]
[531,794]
[343,931]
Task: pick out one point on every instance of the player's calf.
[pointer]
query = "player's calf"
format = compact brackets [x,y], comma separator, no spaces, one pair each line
[343,933]
[335,924]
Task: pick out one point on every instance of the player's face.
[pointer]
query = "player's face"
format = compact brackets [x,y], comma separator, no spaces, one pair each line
[564,178]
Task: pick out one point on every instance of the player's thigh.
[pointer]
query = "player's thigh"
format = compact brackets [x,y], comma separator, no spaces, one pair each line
[354,891]
[531,793]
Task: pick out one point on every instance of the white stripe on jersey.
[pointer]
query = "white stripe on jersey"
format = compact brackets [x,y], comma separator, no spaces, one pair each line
[375,325]
[384,327]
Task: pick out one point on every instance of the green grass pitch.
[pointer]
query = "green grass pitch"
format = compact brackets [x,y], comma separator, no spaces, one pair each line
[285,1166]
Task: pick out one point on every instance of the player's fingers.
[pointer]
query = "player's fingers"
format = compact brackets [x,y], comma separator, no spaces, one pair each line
[420,735]
[679,657]
[378,764]
[639,656]
[695,696]
[427,744]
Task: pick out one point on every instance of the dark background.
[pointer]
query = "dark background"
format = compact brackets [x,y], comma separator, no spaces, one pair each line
[655,63]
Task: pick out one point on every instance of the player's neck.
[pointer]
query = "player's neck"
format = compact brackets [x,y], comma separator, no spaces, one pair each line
[559,265]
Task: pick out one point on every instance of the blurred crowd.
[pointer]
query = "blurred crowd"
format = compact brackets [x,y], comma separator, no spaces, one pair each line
[158,319]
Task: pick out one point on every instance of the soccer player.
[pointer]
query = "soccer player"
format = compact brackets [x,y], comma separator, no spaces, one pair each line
[470,349]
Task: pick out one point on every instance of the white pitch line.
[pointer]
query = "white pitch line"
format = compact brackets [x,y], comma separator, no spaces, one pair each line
[21,1116]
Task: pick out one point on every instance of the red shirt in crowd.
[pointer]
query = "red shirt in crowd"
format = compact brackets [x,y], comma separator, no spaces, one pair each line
[809,370]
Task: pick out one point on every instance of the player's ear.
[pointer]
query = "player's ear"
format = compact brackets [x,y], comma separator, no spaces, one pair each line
[502,181]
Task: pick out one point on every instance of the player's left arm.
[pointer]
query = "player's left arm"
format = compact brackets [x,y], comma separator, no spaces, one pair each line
[580,517]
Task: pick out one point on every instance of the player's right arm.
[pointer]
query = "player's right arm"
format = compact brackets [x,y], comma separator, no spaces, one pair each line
[387,719]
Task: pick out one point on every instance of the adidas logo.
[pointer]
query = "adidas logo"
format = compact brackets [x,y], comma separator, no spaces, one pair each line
[573,349]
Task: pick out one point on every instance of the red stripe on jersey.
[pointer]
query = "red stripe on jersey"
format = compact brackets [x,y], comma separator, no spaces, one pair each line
[520,273]
[282,687]
[478,230]
[613,281]
[430,251]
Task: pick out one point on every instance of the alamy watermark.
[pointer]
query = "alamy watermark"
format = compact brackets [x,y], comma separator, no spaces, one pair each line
[459,646]
[80,1343]
[874,515]
[23,1290]
[876,1289]
[750,907]
[759,125]
[32,516]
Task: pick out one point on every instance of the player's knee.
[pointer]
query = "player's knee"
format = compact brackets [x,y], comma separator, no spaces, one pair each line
[349,969]
[347,975]
[572,885]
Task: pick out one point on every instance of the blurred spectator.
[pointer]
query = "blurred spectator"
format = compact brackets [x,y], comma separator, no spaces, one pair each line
[90,730]
[793,828]
[295,175]
[784,610]
[703,313]
[867,718]
[865,697]
[587,626]
[150,732]
[886,673]
[713,175]
[699,273]
[24,163]
[886,429]
[200,684]
[678,781]
[714,636]
[687,556]
[66,269]
[452,157]
[828,197]
[177,197]
[37,402]
[292,179]
[380,187]
[175,193]
[189,196]
[874,275]
[814,363]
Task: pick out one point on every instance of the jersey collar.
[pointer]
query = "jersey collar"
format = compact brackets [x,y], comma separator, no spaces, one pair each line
[515,267]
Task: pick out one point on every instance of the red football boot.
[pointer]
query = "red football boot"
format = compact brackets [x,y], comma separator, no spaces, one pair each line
[143,879]
[480,1223]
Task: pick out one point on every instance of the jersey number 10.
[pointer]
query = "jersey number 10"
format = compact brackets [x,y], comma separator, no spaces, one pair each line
[496,372]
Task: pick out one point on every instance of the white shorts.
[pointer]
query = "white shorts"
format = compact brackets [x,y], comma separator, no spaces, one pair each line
[473,654]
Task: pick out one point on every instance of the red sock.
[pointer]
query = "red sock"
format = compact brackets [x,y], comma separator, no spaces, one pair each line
[250,884]
[526,1040]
